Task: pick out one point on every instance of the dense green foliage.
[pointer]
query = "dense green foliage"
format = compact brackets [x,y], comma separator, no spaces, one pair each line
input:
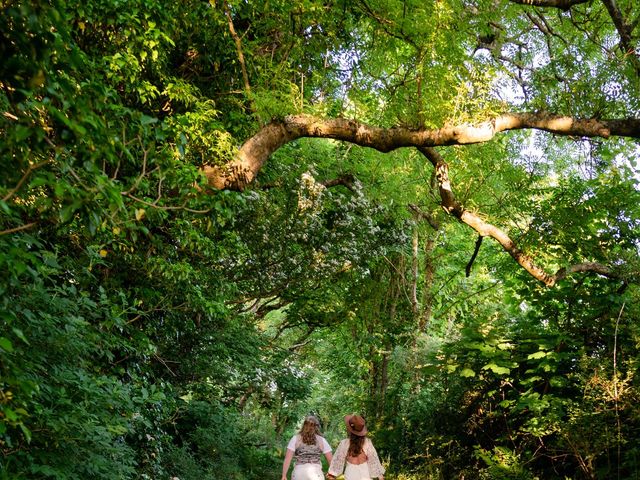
[151,327]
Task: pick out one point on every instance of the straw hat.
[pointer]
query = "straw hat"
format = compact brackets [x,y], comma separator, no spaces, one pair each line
[355,424]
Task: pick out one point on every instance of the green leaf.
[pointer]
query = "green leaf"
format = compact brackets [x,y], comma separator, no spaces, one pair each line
[6,344]
[10,414]
[537,355]
[26,432]
[5,208]
[147,120]
[20,335]
[498,370]
[467,372]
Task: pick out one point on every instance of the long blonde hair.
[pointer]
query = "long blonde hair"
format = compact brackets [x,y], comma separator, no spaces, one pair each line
[310,428]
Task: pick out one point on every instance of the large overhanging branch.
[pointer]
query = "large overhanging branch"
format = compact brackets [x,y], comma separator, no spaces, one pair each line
[484,229]
[255,151]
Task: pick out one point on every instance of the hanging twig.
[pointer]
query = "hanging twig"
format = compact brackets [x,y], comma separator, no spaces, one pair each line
[467,269]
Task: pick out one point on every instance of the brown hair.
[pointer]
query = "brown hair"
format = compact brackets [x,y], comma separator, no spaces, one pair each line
[356,442]
[310,428]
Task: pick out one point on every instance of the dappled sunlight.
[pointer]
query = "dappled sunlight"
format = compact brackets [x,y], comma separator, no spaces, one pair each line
[221,218]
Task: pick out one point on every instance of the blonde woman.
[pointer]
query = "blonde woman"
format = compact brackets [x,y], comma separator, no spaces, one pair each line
[356,455]
[307,447]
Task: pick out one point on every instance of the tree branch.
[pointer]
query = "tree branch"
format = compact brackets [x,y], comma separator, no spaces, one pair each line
[255,151]
[583,267]
[344,180]
[161,207]
[561,4]
[238,43]
[30,169]
[271,137]
[422,215]
[18,229]
[484,229]
[387,25]
[624,30]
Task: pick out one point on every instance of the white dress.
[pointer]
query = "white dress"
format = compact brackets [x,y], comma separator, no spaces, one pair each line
[372,468]
[307,471]
[357,472]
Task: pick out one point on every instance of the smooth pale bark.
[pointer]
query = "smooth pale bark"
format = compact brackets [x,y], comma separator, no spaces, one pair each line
[255,151]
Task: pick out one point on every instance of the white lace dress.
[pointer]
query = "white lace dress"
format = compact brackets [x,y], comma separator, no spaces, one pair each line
[372,468]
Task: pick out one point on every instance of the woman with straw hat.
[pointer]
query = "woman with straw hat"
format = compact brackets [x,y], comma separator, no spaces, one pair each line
[307,446]
[356,455]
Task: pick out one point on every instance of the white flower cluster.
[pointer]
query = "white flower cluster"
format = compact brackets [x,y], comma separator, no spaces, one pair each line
[310,193]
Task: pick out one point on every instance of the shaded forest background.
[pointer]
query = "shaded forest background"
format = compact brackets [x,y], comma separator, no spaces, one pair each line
[156,327]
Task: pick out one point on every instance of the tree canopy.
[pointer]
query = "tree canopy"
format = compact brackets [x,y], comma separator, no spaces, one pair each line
[216,217]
